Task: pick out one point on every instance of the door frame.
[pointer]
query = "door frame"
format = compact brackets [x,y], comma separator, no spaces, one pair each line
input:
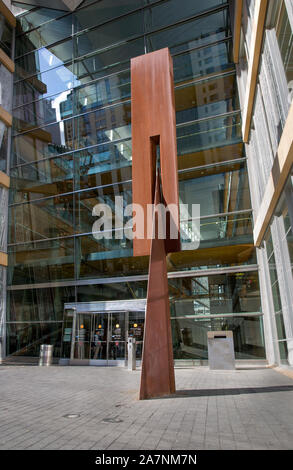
[113,306]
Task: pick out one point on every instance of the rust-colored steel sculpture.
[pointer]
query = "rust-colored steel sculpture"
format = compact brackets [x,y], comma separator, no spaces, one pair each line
[153,124]
[157,374]
[153,127]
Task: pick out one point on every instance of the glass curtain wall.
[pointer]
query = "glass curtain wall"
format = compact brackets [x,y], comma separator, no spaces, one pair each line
[71,146]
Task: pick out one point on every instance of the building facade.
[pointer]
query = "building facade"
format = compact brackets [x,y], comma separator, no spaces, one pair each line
[265,80]
[8,22]
[70,149]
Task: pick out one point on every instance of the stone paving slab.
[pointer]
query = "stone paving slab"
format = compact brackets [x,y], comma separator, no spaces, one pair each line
[242,409]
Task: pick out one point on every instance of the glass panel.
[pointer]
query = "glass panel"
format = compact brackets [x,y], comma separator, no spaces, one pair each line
[215,294]
[35,18]
[111,33]
[92,251]
[205,99]
[83,337]
[273,270]
[283,348]
[42,143]
[285,40]
[6,35]
[209,133]
[86,201]
[104,164]
[202,62]
[42,60]
[104,125]
[225,229]
[289,237]
[136,330]
[212,257]
[4,192]
[46,111]
[170,12]
[104,92]
[276,297]
[107,258]
[183,37]
[25,339]
[42,178]
[3,146]
[50,83]
[41,262]
[217,193]
[118,291]
[41,305]
[280,326]
[46,34]
[116,348]
[190,337]
[269,245]
[99,336]
[47,218]
[108,62]
[102,11]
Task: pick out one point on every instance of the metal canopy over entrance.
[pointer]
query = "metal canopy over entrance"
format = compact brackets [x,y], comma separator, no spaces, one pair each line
[133,305]
[96,333]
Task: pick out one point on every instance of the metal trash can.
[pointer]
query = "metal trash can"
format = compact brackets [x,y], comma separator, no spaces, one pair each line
[221,350]
[46,355]
[131,354]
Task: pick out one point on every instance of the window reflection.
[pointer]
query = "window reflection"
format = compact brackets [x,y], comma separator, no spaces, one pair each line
[102,11]
[200,62]
[105,125]
[46,84]
[107,62]
[102,165]
[206,98]
[44,35]
[163,14]
[42,178]
[48,218]
[183,37]
[44,261]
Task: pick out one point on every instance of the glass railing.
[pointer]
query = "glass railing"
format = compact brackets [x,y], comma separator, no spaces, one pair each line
[224,229]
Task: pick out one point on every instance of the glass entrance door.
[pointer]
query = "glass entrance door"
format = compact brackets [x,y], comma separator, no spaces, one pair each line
[101,337]
[116,336]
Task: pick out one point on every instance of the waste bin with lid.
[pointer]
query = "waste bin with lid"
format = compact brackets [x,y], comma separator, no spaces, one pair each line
[131,353]
[46,355]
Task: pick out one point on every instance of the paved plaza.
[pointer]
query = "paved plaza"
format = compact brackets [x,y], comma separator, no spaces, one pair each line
[242,409]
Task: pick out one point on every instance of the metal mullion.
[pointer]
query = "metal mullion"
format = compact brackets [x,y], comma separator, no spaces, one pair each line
[212,165]
[64,64]
[70,193]
[60,155]
[204,46]
[218,315]
[23,33]
[110,106]
[205,78]
[157,30]
[198,80]
[141,277]
[223,214]
[72,118]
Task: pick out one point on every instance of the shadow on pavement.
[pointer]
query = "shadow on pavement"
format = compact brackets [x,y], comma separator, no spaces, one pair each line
[228,391]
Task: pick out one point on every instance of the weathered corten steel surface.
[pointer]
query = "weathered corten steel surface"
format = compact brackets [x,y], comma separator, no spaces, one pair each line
[153,123]
[157,374]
